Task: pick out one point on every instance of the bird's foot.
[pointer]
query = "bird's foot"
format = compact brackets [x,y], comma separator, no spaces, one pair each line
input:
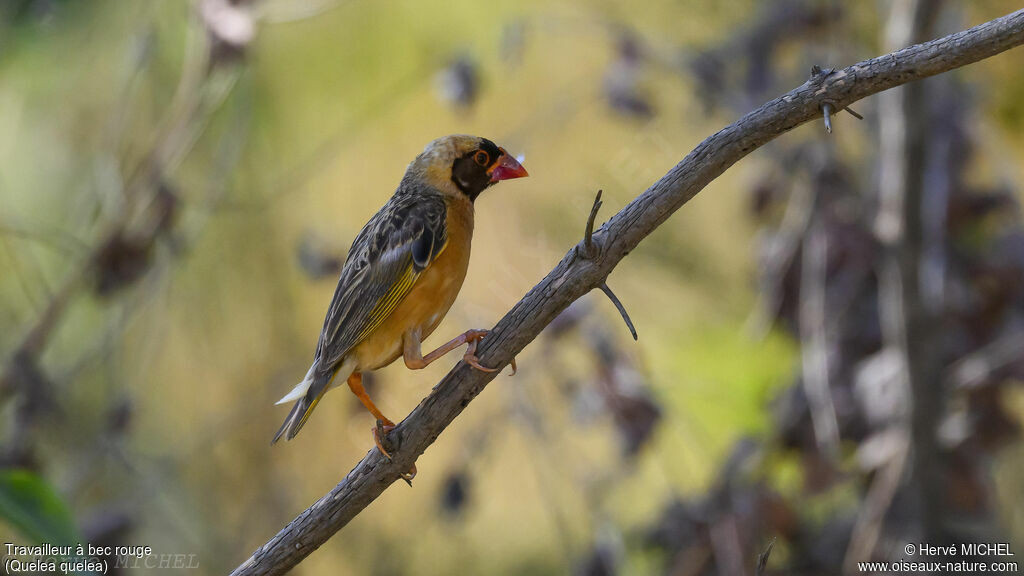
[472,338]
[380,437]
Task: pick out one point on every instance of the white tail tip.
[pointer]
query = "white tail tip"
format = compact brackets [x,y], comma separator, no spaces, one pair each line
[300,389]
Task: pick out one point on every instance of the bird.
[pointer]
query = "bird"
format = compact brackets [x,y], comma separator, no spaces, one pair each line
[402,275]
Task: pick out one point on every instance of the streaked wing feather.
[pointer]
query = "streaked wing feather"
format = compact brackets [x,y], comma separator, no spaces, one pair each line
[383,264]
[389,301]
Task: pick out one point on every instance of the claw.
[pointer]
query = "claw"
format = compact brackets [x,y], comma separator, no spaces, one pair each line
[408,476]
[470,356]
[382,429]
[473,361]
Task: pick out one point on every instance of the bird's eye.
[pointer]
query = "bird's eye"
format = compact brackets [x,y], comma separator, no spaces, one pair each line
[482,158]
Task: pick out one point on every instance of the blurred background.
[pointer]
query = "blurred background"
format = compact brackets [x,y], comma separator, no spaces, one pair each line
[179,182]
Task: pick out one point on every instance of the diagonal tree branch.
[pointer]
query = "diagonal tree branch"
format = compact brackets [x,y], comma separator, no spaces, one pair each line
[573,276]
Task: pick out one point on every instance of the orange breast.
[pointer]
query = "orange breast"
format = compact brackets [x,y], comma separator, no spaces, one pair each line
[430,297]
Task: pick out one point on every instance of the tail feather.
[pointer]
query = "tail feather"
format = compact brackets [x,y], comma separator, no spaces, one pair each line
[301,388]
[309,392]
[299,414]
[296,408]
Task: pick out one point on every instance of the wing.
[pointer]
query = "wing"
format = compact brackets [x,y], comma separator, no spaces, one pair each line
[384,262]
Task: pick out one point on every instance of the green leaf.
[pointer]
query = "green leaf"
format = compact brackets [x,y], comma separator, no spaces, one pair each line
[31,506]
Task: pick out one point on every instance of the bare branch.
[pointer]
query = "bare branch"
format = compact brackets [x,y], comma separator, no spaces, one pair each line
[871,517]
[909,327]
[573,277]
[814,338]
[975,369]
[762,558]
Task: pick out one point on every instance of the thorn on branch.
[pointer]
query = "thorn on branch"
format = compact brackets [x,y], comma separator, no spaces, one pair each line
[828,108]
[762,558]
[622,309]
[818,74]
[588,235]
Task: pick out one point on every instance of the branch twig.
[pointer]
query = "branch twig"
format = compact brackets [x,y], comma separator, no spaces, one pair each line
[814,339]
[573,277]
[622,309]
[589,251]
[588,233]
[762,558]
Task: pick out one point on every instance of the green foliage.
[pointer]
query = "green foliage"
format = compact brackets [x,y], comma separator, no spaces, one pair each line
[32,507]
[731,376]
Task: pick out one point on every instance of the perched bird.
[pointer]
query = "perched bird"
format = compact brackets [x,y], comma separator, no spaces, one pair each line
[402,274]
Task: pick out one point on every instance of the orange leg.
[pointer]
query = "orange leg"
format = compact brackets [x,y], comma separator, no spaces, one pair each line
[355,383]
[415,360]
